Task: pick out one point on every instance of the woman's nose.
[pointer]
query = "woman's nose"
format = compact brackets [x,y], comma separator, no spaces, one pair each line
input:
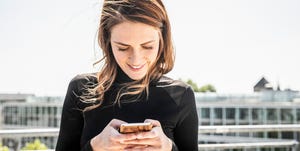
[136,57]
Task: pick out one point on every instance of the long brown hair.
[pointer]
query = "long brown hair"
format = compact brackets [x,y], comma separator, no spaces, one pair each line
[150,12]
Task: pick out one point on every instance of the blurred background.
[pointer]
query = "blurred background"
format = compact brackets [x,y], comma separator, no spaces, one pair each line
[241,58]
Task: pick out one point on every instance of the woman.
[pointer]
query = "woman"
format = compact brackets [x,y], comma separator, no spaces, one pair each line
[135,37]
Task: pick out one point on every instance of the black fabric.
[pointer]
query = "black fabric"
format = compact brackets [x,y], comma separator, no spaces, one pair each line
[170,101]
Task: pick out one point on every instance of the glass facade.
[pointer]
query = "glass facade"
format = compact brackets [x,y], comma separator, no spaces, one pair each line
[210,112]
[30,115]
[247,113]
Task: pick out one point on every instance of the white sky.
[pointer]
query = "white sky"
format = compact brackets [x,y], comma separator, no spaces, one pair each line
[230,44]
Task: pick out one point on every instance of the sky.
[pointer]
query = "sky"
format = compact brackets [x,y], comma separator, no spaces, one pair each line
[230,44]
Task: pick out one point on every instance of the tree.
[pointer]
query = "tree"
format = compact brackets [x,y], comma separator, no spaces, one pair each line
[3,148]
[36,145]
[193,85]
[207,88]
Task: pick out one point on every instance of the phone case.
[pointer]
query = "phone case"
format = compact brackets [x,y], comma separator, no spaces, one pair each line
[135,127]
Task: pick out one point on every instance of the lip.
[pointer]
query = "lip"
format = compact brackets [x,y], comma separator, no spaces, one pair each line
[136,68]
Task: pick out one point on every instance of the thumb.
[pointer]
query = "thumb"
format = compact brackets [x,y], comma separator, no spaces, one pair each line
[153,122]
[115,123]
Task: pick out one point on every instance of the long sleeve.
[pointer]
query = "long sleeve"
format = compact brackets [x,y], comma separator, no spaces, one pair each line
[71,122]
[186,132]
[171,102]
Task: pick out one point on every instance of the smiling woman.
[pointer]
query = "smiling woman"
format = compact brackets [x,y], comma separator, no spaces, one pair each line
[135,47]
[135,38]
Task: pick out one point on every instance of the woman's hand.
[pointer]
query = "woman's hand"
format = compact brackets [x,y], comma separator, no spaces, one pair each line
[154,140]
[110,139]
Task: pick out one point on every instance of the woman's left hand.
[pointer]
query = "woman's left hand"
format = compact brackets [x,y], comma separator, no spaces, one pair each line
[154,140]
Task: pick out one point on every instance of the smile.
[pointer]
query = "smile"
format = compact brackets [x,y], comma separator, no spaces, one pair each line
[136,68]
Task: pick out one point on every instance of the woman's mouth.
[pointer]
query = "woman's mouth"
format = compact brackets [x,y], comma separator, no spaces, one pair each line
[136,67]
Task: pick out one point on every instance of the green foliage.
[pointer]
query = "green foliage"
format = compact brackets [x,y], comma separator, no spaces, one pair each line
[3,148]
[205,88]
[36,145]
[193,85]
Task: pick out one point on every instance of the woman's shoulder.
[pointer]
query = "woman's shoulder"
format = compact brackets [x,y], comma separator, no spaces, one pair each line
[176,89]
[82,81]
[84,77]
[165,81]
[79,86]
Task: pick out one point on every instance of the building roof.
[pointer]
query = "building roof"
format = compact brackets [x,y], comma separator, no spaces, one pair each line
[262,84]
[14,96]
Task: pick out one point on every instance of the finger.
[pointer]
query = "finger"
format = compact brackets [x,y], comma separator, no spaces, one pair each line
[148,148]
[154,122]
[115,123]
[124,137]
[147,141]
[131,146]
[139,146]
[117,147]
[149,134]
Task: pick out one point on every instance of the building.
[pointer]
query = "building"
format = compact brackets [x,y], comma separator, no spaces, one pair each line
[212,109]
[268,93]
[262,84]
[217,109]
[6,97]
[31,112]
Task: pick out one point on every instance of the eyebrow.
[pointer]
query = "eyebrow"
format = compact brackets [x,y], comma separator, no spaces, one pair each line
[120,43]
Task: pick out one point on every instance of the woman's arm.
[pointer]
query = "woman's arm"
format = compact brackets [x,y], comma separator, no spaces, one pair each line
[71,121]
[186,132]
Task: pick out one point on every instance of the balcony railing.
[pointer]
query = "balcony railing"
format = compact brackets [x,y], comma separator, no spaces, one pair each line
[254,143]
[29,132]
[249,128]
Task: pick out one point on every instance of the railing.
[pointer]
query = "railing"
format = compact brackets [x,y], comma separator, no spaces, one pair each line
[29,132]
[293,144]
[287,144]
[231,142]
[254,142]
[249,128]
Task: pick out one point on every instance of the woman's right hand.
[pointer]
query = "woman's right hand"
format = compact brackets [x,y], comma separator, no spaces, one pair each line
[110,139]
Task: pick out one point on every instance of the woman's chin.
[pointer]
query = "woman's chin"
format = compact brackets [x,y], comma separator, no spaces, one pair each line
[136,77]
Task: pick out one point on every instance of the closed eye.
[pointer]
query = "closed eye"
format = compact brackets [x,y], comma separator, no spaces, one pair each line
[148,47]
[123,49]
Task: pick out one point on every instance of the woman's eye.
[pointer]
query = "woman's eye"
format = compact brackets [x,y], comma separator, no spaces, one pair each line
[122,49]
[146,47]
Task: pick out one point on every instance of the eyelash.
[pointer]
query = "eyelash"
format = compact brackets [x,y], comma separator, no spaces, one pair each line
[124,49]
[148,48]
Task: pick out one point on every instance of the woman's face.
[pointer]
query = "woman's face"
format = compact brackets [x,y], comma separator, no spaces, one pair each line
[135,47]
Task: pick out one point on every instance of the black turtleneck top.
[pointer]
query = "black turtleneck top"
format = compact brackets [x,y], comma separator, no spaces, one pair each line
[171,102]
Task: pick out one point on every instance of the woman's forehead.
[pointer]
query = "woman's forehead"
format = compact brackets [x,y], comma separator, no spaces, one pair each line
[128,32]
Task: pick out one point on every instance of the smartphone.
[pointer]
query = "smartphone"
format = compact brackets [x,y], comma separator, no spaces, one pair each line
[135,127]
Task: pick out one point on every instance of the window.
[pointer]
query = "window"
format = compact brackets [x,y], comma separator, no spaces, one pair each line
[287,116]
[271,116]
[218,113]
[230,113]
[244,116]
[298,115]
[205,113]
